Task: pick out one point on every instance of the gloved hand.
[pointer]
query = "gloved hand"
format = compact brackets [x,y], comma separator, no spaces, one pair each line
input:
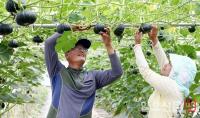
[63,27]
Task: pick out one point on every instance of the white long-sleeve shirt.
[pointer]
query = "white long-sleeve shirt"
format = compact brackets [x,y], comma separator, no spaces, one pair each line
[167,99]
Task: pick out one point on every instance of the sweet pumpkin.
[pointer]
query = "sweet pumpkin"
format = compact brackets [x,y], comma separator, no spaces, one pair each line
[12,6]
[99,28]
[25,18]
[5,29]
[13,44]
[37,39]
[119,30]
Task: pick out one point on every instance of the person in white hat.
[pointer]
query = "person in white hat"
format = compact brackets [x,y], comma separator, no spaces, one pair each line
[171,86]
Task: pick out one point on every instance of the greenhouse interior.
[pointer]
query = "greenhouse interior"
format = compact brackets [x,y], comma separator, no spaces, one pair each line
[99,58]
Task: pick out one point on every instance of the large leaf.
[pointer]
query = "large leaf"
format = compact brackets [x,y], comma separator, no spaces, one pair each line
[75,17]
[189,50]
[5,53]
[66,42]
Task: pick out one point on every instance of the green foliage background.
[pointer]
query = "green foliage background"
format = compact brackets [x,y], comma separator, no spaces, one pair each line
[21,68]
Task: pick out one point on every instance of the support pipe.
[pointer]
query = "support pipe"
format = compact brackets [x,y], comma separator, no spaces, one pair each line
[126,25]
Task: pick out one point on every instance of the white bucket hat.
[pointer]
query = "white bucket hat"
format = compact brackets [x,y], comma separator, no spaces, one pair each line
[183,71]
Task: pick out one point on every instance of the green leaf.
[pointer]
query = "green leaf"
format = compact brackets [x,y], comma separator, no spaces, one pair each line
[5,53]
[197,9]
[65,42]
[193,87]
[175,2]
[145,89]
[75,17]
[119,108]
[184,32]
[197,98]
[87,3]
[21,44]
[96,45]
[189,50]
[197,78]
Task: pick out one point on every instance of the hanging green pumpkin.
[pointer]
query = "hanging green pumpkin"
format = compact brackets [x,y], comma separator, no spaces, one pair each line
[119,30]
[192,29]
[13,44]
[37,39]
[26,18]
[145,28]
[12,6]
[99,28]
[2,106]
[5,29]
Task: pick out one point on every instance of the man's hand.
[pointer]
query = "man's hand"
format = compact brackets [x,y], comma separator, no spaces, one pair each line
[107,40]
[153,34]
[138,37]
[106,37]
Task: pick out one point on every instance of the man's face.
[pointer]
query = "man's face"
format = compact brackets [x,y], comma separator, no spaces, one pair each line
[77,55]
[165,71]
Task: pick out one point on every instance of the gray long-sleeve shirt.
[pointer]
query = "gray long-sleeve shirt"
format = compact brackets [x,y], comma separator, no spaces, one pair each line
[73,91]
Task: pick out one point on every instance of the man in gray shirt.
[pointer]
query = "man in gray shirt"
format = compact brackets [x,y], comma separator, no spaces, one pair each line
[73,88]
